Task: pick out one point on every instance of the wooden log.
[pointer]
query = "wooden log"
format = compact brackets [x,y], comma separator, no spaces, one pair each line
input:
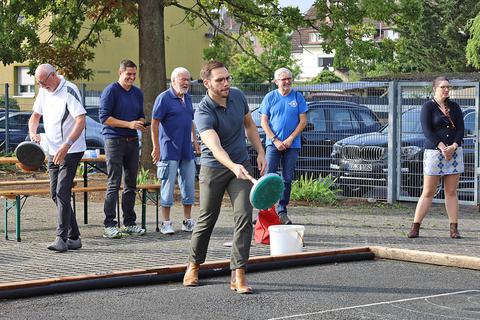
[441,259]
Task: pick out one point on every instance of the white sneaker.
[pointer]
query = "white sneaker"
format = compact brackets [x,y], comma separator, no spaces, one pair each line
[167,227]
[188,225]
[133,230]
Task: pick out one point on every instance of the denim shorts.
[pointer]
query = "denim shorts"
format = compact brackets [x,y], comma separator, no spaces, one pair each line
[167,171]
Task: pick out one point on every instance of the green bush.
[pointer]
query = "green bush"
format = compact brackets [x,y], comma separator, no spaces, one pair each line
[12,103]
[325,76]
[315,190]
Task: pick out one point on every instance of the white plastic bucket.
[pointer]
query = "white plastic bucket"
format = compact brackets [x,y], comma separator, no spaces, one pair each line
[285,239]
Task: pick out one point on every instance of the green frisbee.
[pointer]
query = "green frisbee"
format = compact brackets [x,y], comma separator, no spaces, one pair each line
[266,191]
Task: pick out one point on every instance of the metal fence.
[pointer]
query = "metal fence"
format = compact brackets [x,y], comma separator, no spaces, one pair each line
[367,135]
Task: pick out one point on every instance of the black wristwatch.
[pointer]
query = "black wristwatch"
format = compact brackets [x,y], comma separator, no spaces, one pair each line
[273,139]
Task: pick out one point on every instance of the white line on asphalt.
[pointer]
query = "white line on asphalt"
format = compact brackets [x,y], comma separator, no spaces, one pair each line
[374,304]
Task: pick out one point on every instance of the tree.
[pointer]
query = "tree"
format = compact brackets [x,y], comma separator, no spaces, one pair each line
[473,45]
[67,31]
[432,34]
[248,67]
[325,76]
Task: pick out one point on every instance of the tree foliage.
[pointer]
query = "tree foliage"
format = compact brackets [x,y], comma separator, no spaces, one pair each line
[432,34]
[473,45]
[66,32]
[325,76]
[63,32]
[247,66]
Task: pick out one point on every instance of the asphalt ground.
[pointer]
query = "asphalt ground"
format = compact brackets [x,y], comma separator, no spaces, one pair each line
[338,290]
[374,289]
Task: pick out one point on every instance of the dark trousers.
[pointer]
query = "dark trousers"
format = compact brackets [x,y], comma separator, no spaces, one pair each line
[122,159]
[213,184]
[61,183]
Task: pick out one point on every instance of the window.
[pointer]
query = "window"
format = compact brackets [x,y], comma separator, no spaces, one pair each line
[343,120]
[325,62]
[470,124]
[317,118]
[25,85]
[315,37]
[367,118]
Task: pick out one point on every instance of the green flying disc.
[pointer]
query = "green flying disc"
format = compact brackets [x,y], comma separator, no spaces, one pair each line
[266,191]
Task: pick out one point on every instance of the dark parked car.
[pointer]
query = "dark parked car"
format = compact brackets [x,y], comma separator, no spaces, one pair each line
[360,162]
[327,123]
[18,131]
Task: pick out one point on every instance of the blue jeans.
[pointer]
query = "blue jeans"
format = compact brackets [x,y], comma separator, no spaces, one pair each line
[288,159]
[122,157]
[167,172]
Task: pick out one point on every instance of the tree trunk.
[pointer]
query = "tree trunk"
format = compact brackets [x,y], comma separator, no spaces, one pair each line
[152,64]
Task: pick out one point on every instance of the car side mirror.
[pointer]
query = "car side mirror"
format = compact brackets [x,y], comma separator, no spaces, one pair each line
[309,127]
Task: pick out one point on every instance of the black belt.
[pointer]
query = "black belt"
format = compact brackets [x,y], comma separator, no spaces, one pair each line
[126,138]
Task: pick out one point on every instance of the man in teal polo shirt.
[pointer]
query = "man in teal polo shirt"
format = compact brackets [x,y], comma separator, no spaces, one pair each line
[172,147]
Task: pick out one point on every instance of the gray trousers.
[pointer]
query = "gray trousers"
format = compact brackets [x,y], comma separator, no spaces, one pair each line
[122,157]
[213,184]
[61,183]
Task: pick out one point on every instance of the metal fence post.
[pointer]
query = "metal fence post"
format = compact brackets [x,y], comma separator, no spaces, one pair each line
[394,101]
[477,145]
[83,91]
[7,105]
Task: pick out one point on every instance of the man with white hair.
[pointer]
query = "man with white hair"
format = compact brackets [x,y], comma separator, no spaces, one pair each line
[283,120]
[58,102]
[172,147]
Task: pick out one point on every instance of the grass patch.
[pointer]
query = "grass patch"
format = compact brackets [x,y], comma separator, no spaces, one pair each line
[315,190]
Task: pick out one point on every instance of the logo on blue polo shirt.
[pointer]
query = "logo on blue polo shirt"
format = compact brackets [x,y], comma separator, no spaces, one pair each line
[293,103]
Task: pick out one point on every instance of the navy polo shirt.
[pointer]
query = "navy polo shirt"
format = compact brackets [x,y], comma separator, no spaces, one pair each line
[121,104]
[228,123]
[175,130]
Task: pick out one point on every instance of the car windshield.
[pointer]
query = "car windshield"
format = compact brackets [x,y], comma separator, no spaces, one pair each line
[410,122]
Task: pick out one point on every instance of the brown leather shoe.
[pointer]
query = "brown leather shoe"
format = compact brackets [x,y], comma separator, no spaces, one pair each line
[238,282]
[414,231]
[454,234]
[190,279]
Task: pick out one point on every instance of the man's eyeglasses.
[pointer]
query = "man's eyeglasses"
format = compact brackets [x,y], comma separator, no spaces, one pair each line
[44,82]
[285,79]
[221,80]
[446,87]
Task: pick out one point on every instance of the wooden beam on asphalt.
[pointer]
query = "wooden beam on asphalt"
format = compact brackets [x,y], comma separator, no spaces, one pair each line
[441,259]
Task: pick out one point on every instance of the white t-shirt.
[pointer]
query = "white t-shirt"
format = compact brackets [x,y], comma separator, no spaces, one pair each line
[59,110]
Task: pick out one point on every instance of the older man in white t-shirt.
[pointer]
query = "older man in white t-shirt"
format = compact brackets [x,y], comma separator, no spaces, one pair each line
[58,101]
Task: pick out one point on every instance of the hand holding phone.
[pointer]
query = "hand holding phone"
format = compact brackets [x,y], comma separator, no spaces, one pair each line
[146,123]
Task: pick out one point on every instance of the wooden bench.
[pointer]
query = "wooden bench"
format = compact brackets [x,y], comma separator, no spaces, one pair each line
[30,182]
[13,200]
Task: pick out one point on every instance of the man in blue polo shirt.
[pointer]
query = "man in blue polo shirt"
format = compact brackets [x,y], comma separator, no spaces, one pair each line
[172,147]
[121,112]
[283,120]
